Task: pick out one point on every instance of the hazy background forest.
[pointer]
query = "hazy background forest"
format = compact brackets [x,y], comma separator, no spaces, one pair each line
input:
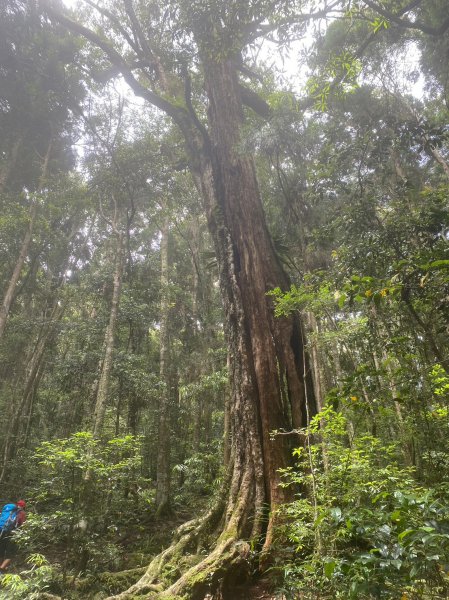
[123,366]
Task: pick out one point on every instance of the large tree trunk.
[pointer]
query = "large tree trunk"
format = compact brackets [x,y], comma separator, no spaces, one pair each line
[271,384]
[266,354]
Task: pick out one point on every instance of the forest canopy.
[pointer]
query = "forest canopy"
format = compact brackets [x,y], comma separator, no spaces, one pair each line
[225,298]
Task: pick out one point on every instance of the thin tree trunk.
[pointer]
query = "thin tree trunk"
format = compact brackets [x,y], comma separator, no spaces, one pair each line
[315,361]
[103,384]
[9,164]
[23,410]
[197,400]
[9,294]
[163,454]
[194,252]
[119,408]
[390,383]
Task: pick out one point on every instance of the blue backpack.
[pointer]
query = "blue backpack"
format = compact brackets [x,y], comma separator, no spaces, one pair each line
[8,518]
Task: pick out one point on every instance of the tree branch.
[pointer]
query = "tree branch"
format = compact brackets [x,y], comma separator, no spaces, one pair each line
[147,51]
[405,23]
[177,113]
[257,29]
[113,19]
[255,102]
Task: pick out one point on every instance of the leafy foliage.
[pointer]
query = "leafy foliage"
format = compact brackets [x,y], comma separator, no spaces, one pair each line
[353,171]
[90,491]
[363,527]
[30,583]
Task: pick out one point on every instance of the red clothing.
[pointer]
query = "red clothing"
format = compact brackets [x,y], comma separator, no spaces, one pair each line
[21,518]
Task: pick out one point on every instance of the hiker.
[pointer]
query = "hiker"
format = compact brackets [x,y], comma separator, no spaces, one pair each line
[11,517]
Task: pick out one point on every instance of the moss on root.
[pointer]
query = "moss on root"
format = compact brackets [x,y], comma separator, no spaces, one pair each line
[182,573]
[178,565]
[215,570]
[108,582]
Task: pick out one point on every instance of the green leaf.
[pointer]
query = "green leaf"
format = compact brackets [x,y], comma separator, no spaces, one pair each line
[436,264]
[336,514]
[329,568]
[396,563]
[342,300]
[405,533]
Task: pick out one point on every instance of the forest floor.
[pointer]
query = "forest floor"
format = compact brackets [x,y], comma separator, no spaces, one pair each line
[261,590]
[257,592]
[138,546]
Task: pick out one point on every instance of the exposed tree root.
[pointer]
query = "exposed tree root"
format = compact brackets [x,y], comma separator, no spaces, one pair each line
[229,556]
[184,571]
[186,548]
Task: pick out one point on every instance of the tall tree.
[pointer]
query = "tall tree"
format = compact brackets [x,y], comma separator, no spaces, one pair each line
[188,61]
[164,425]
[102,395]
[268,366]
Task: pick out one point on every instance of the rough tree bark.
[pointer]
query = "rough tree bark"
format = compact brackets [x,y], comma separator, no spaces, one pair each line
[268,370]
[266,356]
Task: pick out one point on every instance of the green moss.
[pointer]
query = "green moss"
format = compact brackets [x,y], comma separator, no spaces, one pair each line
[108,583]
[229,534]
[178,565]
[200,577]
[114,583]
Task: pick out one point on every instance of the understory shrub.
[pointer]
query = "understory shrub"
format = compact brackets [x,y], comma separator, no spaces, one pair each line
[362,526]
[87,500]
[30,582]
